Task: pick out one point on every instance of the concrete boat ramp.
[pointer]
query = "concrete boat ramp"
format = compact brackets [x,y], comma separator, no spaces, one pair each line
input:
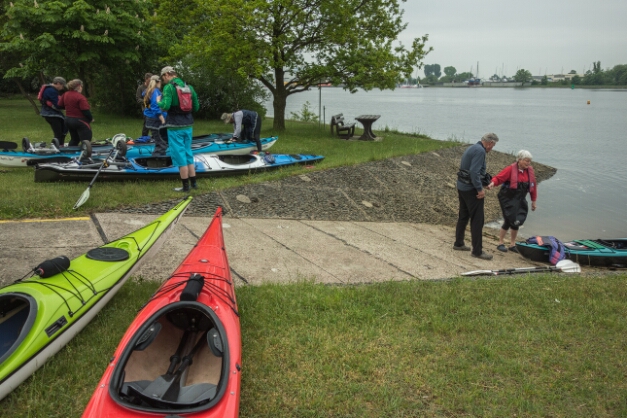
[263,250]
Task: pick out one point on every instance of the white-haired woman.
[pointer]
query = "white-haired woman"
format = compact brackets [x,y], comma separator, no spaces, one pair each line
[517,179]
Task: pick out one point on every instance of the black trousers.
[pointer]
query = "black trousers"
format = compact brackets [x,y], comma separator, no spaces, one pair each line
[145,129]
[58,128]
[79,130]
[470,209]
[160,136]
[256,133]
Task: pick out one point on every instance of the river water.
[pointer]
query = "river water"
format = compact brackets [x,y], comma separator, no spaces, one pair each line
[587,143]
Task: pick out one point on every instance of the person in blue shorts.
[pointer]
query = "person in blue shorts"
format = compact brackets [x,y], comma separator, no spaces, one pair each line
[179,124]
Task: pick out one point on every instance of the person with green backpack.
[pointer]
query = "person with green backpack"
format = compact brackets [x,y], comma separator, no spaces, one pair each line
[179,99]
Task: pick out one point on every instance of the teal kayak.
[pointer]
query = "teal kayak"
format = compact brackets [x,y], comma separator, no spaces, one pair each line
[40,314]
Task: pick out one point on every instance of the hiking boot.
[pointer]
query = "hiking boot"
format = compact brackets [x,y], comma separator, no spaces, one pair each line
[483,256]
[181,189]
[461,248]
[194,186]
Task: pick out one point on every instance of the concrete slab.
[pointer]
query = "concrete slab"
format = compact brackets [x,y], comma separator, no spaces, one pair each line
[259,257]
[25,244]
[345,263]
[174,250]
[263,250]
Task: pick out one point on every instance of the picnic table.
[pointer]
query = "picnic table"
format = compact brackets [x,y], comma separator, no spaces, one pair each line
[367,121]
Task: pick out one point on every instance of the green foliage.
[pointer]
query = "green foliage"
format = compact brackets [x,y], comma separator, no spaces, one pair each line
[545,80]
[290,45]
[463,76]
[450,71]
[106,43]
[433,69]
[523,76]
[306,114]
[220,92]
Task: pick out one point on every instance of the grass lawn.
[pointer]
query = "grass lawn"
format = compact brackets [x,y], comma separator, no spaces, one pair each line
[23,198]
[525,346]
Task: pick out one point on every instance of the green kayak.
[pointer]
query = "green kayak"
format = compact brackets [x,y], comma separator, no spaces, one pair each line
[40,314]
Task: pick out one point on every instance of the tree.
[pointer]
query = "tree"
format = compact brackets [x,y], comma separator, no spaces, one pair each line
[495,77]
[523,76]
[84,39]
[433,69]
[545,80]
[290,45]
[450,71]
[463,76]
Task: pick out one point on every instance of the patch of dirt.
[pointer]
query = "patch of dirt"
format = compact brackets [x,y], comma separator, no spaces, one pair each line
[416,188]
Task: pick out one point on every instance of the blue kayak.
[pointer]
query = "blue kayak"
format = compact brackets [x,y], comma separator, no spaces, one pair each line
[158,168]
[34,153]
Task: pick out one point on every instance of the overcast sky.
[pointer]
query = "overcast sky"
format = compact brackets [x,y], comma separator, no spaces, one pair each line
[542,36]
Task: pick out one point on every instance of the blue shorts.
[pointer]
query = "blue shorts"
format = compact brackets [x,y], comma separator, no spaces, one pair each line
[180,140]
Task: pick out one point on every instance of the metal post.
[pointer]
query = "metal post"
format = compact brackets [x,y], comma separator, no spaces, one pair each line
[319,103]
[324,117]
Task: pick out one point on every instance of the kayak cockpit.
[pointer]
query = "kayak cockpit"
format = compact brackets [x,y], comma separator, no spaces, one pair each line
[176,362]
[237,159]
[17,315]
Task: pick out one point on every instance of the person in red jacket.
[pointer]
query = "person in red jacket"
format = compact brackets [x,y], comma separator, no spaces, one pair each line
[77,112]
[517,179]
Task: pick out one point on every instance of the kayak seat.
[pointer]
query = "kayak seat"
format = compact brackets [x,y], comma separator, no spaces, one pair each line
[189,319]
[188,395]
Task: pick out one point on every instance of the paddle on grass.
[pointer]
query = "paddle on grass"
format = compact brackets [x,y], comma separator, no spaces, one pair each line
[564,266]
[85,194]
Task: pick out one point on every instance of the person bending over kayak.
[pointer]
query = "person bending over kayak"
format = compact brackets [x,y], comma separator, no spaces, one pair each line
[179,123]
[77,112]
[517,179]
[247,126]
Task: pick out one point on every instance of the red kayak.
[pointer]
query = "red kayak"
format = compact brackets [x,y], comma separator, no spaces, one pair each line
[182,353]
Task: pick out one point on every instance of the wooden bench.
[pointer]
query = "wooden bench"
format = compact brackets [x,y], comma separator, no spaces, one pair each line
[337,121]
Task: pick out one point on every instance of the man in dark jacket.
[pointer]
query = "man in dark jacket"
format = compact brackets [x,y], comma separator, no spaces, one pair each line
[471,192]
[50,109]
[139,96]
[247,126]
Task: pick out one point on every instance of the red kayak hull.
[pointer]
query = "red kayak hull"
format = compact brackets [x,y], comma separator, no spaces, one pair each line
[216,304]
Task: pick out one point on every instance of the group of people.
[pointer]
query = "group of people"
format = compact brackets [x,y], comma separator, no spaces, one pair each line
[77,118]
[168,120]
[517,180]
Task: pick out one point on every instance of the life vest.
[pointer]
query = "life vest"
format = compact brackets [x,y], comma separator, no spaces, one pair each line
[557,251]
[513,177]
[40,95]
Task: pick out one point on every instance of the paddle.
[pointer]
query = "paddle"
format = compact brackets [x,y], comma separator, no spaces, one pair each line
[564,266]
[85,194]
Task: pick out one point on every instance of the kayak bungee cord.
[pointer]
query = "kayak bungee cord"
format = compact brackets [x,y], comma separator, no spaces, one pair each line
[223,294]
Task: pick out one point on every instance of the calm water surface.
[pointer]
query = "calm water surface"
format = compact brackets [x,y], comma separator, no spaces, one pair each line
[587,198]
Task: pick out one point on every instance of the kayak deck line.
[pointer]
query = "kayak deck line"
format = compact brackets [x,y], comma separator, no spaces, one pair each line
[15,221]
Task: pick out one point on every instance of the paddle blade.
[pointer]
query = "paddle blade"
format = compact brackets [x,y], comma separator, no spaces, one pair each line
[568,266]
[82,199]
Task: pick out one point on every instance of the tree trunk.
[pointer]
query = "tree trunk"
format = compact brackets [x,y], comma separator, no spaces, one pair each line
[25,94]
[279,103]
